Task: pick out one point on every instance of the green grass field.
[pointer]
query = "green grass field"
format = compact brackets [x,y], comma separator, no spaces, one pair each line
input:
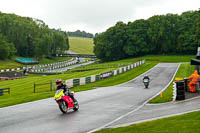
[4,64]
[187,123]
[81,45]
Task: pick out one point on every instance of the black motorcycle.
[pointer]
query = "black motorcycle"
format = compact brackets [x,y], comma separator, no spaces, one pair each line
[146,81]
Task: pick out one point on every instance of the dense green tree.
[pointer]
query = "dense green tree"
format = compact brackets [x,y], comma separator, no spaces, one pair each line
[43,46]
[79,33]
[160,34]
[110,44]
[137,39]
[32,37]
[6,49]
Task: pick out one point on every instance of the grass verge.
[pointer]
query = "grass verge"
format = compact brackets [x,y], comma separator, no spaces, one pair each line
[169,58]
[187,123]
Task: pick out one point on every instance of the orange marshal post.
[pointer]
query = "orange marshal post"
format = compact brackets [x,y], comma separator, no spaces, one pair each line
[192,85]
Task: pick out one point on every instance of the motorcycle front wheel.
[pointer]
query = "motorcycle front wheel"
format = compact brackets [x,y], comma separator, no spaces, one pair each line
[76,105]
[63,106]
[146,86]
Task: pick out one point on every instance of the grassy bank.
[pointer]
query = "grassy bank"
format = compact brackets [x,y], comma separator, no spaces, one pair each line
[170,58]
[187,123]
[81,45]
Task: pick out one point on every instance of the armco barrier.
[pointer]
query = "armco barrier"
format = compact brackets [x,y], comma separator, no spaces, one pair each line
[97,77]
[76,82]
[82,81]
[122,70]
[106,75]
[115,72]
[93,78]
[40,68]
[85,80]
[118,72]
[88,80]
[69,83]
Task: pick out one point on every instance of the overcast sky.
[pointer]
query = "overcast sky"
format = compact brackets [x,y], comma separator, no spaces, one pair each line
[94,15]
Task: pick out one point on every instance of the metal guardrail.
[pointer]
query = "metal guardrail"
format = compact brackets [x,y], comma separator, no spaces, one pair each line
[74,55]
[38,67]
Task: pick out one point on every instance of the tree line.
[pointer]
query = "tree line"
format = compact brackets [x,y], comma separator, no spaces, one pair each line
[28,37]
[160,34]
[79,33]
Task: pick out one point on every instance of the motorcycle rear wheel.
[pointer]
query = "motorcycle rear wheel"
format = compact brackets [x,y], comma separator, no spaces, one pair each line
[63,106]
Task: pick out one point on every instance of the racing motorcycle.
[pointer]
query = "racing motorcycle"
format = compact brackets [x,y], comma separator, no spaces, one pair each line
[146,81]
[65,102]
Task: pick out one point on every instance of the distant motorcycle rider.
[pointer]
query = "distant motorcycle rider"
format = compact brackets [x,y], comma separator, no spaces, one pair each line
[146,81]
[60,85]
[146,77]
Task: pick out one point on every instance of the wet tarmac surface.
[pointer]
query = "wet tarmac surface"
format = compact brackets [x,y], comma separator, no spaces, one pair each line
[157,111]
[98,107]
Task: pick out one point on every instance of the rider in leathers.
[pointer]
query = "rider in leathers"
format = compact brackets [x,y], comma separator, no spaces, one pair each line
[60,85]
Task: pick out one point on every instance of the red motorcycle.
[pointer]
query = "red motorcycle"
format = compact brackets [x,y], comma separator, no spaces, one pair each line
[65,102]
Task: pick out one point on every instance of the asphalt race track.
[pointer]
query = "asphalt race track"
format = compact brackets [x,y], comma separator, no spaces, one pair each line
[151,112]
[98,107]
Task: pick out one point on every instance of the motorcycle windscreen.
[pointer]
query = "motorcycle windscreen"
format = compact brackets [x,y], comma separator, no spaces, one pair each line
[145,80]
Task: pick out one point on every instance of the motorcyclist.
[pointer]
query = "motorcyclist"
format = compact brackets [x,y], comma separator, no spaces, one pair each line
[60,85]
[146,80]
[194,80]
[146,77]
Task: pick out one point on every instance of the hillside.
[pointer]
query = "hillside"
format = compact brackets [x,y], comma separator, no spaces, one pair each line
[81,45]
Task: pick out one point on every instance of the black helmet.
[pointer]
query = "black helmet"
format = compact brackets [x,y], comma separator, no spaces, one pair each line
[58,81]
